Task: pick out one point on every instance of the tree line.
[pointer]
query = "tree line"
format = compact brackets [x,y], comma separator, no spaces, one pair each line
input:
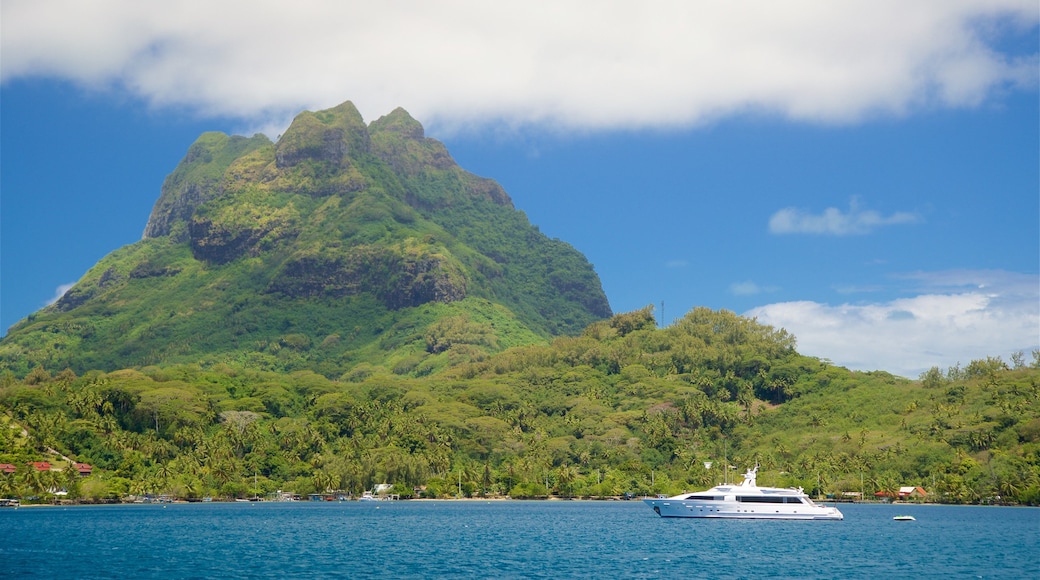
[623,407]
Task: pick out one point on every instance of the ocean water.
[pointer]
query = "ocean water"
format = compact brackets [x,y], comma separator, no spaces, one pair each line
[477,539]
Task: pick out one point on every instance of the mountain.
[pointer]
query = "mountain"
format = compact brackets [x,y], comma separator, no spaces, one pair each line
[347,307]
[340,243]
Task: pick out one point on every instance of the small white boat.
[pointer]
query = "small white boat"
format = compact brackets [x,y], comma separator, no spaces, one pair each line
[746,500]
[905,519]
[369,496]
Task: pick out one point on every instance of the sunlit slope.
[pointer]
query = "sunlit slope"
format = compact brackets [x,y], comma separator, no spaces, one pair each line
[337,244]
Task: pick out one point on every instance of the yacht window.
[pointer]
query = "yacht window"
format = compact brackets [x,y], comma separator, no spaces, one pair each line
[704,497]
[794,500]
[760,499]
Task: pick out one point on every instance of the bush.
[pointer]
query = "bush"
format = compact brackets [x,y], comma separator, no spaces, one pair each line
[528,491]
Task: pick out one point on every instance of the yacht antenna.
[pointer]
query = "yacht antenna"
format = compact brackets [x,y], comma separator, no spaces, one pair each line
[725,462]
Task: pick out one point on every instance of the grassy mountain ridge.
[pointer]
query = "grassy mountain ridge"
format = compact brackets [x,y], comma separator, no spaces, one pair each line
[314,252]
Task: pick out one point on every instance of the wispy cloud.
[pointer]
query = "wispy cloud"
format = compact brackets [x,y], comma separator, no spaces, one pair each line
[59,292]
[676,264]
[835,222]
[982,280]
[960,316]
[749,288]
[581,63]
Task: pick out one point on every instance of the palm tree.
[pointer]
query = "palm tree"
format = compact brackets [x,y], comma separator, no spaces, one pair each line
[164,473]
[816,421]
[323,481]
[190,463]
[92,400]
[886,484]
[70,480]
[746,398]
[1008,490]
[566,475]
[486,479]
[223,471]
[191,487]
[107,424]
[32,481]
[138,487]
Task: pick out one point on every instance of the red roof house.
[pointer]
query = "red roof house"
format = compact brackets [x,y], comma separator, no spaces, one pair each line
[910,491]
[7,468]
[905,492]
[84,469]
[41,465]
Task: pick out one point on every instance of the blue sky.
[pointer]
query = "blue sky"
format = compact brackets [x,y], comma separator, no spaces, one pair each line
[868,178]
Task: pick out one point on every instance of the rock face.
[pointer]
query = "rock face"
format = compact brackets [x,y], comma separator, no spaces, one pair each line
[400,279]
[399,141]
[318,156]
[328,137]
[198,179]
[337,227]
[218,244]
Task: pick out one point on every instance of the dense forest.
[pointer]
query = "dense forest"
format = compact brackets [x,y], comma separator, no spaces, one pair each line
[623,407]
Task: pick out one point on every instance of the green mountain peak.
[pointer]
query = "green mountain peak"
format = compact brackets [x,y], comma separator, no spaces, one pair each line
[338,244]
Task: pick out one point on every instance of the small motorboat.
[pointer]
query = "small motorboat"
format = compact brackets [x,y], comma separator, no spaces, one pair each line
[905,519]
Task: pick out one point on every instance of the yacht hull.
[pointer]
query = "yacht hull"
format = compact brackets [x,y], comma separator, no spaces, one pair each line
[669,508]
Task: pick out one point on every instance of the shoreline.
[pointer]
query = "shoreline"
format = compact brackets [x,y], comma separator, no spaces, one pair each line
[497,499]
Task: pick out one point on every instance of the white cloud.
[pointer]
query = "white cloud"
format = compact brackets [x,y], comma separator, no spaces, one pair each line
[676,264]
[834,222]
[578,63]
[59,292]
[962,316]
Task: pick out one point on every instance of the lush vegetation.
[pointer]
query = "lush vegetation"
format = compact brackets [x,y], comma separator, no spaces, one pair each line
[624,407]
[347,307]
[338,245]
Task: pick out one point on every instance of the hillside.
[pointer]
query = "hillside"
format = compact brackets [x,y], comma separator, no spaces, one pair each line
[622,407]
[338,244]
[348,307]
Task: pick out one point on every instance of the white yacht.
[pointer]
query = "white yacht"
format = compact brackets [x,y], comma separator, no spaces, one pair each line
[746,500]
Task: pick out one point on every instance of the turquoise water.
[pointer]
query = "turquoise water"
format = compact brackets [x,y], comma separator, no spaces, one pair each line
[508,540]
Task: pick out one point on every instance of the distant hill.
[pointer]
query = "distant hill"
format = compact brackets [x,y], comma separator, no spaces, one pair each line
[623,407]
[338,244]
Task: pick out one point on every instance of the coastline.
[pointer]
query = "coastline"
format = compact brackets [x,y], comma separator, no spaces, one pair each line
[495,499]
